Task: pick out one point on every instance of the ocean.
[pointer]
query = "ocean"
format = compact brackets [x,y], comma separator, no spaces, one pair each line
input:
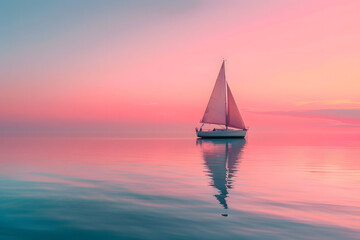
[114,188]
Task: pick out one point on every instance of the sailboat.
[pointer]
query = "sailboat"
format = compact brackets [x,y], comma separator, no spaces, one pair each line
[222,110]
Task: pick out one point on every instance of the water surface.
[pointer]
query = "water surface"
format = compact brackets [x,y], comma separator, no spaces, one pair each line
[108,188]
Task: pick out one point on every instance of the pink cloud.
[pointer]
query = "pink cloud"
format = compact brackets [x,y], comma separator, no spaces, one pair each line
[347,117]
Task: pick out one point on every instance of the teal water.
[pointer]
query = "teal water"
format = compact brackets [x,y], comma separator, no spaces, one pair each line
[98,188]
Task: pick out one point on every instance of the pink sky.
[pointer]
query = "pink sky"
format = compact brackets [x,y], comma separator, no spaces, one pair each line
[291,65]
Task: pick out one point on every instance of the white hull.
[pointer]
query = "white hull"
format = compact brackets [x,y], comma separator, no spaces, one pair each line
[222,133]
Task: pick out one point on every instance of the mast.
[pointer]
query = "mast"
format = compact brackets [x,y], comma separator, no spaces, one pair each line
[226,100]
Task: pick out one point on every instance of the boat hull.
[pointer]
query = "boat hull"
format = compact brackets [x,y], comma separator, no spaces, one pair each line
[222,133]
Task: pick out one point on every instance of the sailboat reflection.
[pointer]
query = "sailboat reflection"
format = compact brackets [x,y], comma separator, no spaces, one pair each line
[221,159]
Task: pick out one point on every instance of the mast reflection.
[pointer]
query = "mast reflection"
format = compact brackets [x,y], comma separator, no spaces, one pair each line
[221,159]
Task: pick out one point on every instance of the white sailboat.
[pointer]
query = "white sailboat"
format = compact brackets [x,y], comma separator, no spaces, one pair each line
[222,110]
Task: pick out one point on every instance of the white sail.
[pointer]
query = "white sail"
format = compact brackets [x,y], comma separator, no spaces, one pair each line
[222,108]
[234,118]
[215,112]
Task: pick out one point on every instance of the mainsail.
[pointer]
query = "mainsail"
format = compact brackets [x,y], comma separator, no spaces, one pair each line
[216,111]
[222,108]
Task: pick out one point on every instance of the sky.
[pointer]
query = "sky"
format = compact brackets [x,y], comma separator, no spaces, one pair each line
[136,68]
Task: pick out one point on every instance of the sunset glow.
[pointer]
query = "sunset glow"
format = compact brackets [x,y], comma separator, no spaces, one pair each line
[180,119]
[138,65]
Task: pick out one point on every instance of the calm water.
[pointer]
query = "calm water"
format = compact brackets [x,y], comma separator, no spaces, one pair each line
[63,188]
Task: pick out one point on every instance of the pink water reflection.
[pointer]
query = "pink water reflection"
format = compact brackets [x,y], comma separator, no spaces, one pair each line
[302,180]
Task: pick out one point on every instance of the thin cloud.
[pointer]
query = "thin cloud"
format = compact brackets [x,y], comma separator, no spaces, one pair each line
[330,102]
[348,117]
